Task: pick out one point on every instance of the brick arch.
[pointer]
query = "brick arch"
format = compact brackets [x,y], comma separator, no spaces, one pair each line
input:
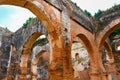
[88,46]
[109,50]
[30,41]
[35,62]
[40,9]
[21,36]
[111,69]
[85,35]
[27,50]
[85,39]
[102,36]
[25,38]
[86,42]
[88,39]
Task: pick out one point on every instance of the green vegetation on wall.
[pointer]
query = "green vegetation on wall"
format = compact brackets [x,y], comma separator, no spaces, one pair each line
[27,22]
[116,32]
[116,7]
[98,13]
[113,8]
[87,13]
[39,40]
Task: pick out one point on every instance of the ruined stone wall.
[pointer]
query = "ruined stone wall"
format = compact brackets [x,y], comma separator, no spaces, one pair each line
[13,69]
[42,65]
[18,39]
[68,12]
[5,42]
[107,16]
[5,54]
[21,36]
[74,12]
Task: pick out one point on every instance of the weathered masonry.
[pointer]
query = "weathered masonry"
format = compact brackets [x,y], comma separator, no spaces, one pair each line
[61,21]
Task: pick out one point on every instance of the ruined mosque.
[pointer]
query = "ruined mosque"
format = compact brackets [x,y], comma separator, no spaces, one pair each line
[61,43]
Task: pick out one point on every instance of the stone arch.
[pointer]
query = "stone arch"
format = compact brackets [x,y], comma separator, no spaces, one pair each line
[26,51]
[86,42]
[35,62]
[109,50]
[40,9]
[110,67]
[88,46]
[25,38]
[30,41]
[114,24]
[85,35]
[21,36]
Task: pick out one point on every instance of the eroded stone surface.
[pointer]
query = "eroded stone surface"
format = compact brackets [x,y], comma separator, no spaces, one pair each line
[61,21]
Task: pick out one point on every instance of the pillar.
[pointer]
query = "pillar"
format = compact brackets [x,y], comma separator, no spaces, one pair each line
[111,70]
[23,64]
[68,73]
[34,69]
[56,66]
[66,33]
[98,71]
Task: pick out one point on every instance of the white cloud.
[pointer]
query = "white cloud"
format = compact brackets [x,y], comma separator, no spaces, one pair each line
[18,18]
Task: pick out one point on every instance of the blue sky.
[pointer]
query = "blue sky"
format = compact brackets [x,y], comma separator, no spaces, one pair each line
[13,17]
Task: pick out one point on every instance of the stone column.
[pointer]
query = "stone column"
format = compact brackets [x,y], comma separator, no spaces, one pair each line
[103,70]
[56,67]
[68,73]
[98,72]
[66,33]
[23,64]
[111,70]
[34,69]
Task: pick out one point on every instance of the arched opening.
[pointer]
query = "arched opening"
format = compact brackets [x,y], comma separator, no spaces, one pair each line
[42,66]
[111,35]
[33,6]
[40,10]
[40,60]
[80,58]
[35,42]
[39,66]
[108,61]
